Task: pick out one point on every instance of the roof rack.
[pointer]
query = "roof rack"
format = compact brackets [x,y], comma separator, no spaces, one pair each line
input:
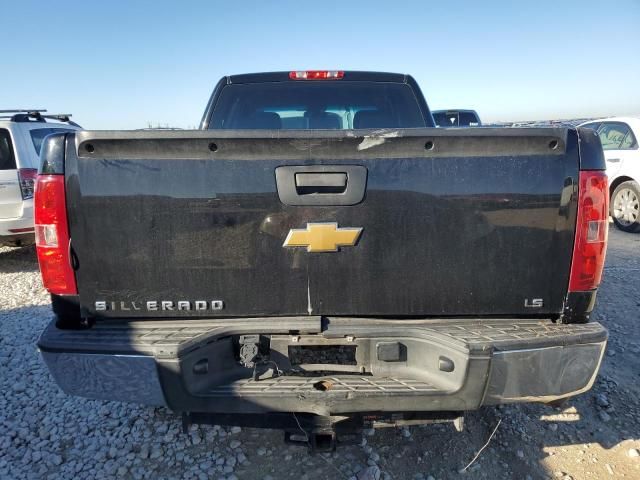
[36,115]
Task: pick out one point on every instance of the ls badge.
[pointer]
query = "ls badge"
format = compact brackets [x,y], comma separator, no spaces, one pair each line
[322,237]
[534,303]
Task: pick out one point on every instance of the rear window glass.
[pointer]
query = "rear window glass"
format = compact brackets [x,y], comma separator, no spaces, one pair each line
[317,105]
[456,119]
[38,134]
[7,159]
[616,136]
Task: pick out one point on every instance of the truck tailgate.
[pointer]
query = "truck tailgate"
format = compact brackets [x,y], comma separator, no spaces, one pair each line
[454,222]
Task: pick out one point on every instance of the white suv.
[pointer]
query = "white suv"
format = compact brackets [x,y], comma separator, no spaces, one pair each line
[619,138]
[21,135]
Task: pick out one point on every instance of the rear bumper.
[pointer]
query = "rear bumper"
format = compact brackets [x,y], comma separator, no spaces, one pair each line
[399,366]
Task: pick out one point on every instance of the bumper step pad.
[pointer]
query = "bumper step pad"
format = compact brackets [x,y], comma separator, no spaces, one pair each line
[320,385]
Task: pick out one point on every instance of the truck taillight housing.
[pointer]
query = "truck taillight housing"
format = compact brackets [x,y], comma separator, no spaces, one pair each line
[592,227]
[27,178]
[52,235]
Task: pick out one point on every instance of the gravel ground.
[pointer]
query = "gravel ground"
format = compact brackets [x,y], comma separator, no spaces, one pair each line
[46,434]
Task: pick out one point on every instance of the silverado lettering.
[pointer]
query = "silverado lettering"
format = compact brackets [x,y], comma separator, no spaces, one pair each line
[153,305]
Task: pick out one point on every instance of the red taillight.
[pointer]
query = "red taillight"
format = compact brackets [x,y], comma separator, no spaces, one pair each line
[316,75]
[52,235]
[591,231]
[27,178]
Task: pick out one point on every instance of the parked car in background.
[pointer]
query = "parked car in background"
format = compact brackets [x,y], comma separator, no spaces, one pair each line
[456,118]
[21,136]
[619,138]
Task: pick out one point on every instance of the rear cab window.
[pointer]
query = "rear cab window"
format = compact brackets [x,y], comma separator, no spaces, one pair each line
[7,157]
[317,105]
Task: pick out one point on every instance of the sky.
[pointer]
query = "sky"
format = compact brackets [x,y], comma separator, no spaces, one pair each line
[127,64]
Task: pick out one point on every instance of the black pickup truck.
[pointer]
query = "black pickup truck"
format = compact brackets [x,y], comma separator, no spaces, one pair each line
[318,258]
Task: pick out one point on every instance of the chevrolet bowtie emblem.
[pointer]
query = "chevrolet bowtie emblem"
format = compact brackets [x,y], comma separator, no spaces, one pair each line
[322,237]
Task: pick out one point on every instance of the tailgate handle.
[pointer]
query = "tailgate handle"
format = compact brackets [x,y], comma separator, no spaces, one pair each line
[320,183]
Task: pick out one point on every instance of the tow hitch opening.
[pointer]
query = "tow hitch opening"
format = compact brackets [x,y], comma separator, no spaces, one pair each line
[323,385]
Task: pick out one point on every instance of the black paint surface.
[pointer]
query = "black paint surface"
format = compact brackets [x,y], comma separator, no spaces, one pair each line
[471,227]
